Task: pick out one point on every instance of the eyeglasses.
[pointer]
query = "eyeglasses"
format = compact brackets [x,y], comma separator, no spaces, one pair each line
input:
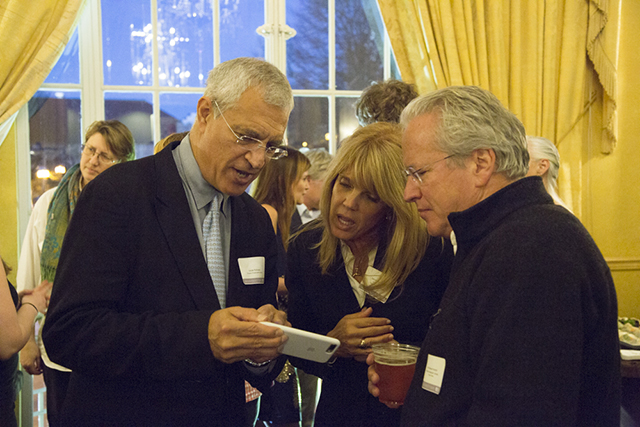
[251,144]
[416,175]
[89,151]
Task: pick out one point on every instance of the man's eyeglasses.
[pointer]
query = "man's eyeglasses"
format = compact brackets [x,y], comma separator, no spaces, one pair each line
[90,151]
[416,175]
[270,151]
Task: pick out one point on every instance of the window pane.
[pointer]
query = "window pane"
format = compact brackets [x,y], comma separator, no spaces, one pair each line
[134,110]
[309,123]
[185,42]
[55,137]
[67,69]
[177,112]
[239,20]
[395,71]
[308,51]
[126,42]
[346,117]
[359,44]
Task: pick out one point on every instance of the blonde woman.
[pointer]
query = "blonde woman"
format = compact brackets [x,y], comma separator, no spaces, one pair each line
[365,273]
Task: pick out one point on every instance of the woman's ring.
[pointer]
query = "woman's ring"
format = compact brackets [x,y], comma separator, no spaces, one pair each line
[362,343]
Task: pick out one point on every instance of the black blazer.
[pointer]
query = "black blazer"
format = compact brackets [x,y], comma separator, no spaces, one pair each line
[132,299]
[296,222]
[317,303]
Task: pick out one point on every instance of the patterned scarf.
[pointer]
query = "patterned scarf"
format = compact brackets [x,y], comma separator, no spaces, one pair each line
[58,217]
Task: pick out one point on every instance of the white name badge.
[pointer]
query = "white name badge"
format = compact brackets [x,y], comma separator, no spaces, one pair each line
[433,374]
[252,270]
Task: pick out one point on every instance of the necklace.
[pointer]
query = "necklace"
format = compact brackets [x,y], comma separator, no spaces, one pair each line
[356,271]
[356,267]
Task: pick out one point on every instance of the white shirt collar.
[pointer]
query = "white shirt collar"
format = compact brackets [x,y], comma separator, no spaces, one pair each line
[307,215]
[454,242]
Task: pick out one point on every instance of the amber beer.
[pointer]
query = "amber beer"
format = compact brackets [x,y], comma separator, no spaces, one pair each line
[394,364]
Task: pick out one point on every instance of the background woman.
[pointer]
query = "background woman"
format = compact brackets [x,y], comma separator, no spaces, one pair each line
[279,187]
[16,317]
[365,273]
[106,143]
[545,162]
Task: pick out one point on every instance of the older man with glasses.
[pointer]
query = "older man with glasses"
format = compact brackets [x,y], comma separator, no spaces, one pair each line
[170,267]
[526,333]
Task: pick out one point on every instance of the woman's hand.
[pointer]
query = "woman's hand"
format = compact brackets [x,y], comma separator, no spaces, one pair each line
[357,332]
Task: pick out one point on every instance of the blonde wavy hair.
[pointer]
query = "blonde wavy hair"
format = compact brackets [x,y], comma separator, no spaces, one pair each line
[373,158]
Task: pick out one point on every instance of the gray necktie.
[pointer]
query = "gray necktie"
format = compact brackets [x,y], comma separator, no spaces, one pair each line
[213,247]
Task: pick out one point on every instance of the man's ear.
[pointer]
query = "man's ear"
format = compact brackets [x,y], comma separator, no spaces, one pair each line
[204,111]
[483,165]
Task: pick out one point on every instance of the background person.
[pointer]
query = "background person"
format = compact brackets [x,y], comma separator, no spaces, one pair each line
[278,188]
[17,315]
[309,209]
[526,333]
[168,140]
[544,161]
[366,273]
[306,212]
[106,143]
[384,101]
[162,324]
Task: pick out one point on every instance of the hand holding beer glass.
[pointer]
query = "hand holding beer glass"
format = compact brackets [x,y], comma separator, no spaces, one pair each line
[392,369]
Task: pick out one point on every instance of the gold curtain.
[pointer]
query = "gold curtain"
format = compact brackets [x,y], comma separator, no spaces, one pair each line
[602,48]
[531,54]
[33,35]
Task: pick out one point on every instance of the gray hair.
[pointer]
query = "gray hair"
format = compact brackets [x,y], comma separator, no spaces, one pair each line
[320,159]
[472,118]
[228,81]
[541,148]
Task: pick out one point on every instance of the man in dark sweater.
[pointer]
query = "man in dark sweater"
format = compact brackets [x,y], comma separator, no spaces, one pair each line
[526,333]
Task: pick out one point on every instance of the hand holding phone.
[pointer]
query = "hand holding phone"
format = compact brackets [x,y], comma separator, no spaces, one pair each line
[307,345]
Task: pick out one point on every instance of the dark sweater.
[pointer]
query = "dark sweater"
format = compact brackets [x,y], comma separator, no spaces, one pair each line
[528,322]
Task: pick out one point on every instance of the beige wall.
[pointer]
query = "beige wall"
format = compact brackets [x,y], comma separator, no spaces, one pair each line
[613,182]
[9,203]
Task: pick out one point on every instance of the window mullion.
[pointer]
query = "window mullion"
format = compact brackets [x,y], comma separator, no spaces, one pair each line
[333,143]
[272,36]
[91,74]
[216,32]
[155,65]
[387,55]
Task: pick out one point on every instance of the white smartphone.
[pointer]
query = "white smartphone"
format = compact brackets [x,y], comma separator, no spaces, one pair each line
[307,345]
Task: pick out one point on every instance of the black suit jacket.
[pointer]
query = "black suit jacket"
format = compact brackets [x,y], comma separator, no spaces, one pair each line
[296,222]
[132,300]
[317,302]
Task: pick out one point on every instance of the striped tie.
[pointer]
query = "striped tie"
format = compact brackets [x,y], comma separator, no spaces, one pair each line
[213,247]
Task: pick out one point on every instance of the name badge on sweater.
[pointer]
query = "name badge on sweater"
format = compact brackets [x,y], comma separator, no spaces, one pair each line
[252,270]
[433,374]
